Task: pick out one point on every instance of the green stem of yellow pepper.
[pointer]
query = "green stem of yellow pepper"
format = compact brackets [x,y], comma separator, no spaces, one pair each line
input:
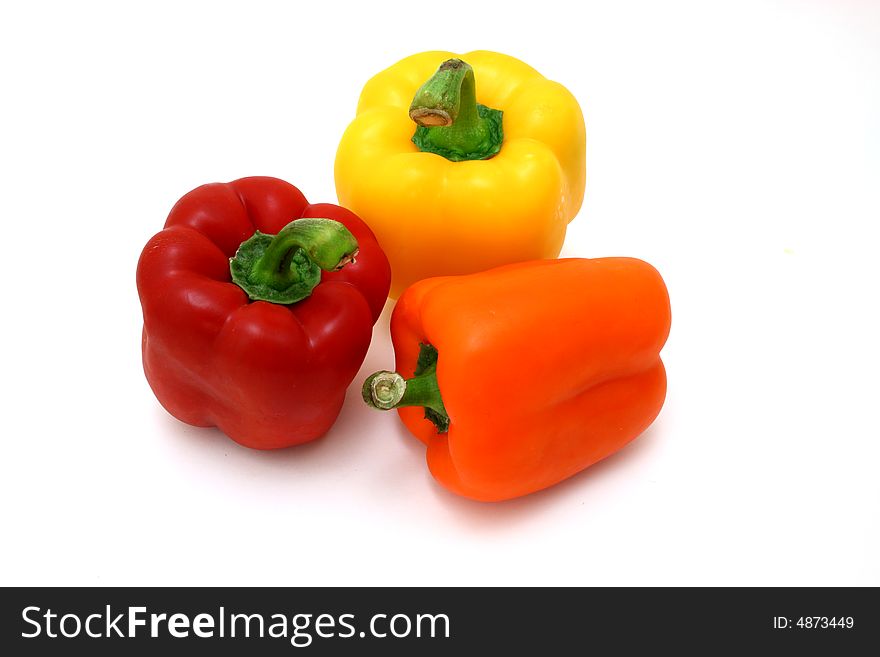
[451,121]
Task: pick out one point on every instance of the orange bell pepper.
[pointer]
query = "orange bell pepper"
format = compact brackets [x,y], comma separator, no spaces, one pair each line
[522,376]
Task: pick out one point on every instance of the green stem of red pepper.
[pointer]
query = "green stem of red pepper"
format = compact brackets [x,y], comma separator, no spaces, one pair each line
[286,267]
[386,390]
[451,122]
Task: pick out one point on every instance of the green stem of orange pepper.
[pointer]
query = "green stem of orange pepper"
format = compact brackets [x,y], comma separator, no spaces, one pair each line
[385,390]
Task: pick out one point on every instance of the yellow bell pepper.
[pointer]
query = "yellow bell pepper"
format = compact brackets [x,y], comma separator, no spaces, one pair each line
[474,187]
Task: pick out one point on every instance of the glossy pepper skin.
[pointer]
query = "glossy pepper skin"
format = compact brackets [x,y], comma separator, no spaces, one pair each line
[269,375]
[544,368]
[436,217]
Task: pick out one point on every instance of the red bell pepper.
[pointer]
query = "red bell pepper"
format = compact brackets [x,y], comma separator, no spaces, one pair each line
[269,366]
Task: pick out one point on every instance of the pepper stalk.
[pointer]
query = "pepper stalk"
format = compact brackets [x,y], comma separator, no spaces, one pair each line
[451,121]
[386,390]
[286,267]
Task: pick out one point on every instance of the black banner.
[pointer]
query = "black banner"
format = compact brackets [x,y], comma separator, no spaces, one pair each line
[419,621]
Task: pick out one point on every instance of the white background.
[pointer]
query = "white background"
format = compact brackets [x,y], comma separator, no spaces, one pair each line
[733,145]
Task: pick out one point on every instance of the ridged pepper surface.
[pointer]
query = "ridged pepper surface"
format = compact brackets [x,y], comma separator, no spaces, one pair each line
[522,376]
[250,325]
[492,174]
